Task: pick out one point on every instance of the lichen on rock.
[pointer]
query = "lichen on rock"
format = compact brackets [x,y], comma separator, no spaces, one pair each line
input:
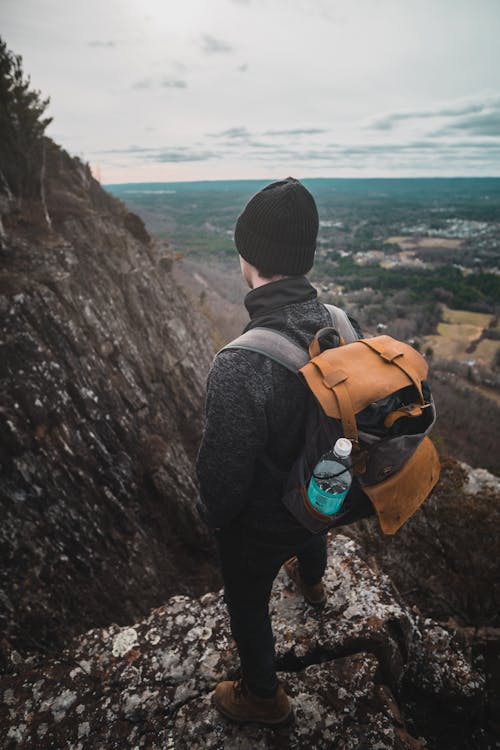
[150,685]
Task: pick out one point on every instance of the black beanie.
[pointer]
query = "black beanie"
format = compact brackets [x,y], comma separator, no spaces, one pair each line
[277,230]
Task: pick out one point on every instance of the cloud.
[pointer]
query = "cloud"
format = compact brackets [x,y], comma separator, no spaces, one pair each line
[99,43]
[173,83]
[241,132]
[388,121]
[296,131]
[128,150]
[211,45]
[182,154]
[166,82]
[485,123]
[143,83]
[163,155]
[418,149]
[237,132]
[418,154]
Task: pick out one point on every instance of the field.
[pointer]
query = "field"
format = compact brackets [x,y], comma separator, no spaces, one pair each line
[464,317]
[456,336]
[486,350]
[413,243]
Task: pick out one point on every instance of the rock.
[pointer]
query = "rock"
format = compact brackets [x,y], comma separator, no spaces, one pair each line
[444,566]
[150,685]
[444,560]
[102,361]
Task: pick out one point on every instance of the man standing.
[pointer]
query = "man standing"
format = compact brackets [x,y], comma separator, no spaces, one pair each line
[255,416]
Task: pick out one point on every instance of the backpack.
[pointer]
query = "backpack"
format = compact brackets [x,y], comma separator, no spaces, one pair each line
[372,391]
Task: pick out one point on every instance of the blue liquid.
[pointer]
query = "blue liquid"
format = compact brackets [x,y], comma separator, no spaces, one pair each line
[325,502]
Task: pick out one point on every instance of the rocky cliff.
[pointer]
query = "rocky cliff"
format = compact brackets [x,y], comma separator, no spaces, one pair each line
[359,673]
[102,366]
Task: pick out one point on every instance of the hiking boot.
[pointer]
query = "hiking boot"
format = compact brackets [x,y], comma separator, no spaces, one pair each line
[236,702]
[314,594]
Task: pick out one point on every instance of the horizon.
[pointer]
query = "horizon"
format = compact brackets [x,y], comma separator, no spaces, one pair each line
[302,179]
[267,180]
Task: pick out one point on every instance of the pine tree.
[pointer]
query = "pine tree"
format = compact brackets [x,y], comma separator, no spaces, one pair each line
[22,126]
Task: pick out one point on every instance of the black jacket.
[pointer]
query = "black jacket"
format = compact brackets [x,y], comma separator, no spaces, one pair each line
[257,408]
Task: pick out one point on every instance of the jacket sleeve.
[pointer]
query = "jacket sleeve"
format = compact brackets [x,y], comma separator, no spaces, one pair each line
[235,433]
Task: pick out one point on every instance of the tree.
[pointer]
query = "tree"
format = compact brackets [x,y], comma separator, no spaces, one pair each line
[22,126]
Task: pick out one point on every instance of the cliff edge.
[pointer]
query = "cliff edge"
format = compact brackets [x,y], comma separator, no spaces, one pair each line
[102,402]
[355,671]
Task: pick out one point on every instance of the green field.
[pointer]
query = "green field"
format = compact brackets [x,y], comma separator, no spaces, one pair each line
[486,350]
[464,317]
[458,330]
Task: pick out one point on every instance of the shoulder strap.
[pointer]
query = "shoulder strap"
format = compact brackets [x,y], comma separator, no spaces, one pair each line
[281,349]
[340,321]
[273,344]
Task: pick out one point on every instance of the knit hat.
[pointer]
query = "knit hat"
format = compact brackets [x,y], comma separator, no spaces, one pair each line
[277,230]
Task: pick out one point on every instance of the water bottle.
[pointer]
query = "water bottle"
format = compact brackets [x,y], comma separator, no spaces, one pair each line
[331,479]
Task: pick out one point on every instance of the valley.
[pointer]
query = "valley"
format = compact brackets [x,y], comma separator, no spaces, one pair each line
[416,259]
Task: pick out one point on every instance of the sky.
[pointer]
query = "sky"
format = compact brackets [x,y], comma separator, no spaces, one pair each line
[156,90]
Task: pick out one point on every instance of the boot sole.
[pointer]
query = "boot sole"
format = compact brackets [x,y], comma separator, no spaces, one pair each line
[288,719]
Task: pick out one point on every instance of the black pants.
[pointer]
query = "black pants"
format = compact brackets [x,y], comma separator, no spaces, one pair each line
[250,562]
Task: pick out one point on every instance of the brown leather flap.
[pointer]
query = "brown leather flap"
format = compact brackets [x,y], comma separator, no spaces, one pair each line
[372,374]
[398,497]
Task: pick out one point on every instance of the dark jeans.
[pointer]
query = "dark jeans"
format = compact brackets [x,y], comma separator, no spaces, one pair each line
[250,562]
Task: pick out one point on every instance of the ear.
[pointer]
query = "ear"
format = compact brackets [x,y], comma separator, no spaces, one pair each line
[247,271]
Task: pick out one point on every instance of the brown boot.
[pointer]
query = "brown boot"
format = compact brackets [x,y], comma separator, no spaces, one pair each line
[236,702]
[314,594]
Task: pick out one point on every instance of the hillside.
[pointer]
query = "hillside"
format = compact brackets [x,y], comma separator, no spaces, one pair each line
[102,403]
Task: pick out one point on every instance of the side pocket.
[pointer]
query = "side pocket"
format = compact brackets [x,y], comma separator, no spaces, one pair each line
[399,496]
[295,501]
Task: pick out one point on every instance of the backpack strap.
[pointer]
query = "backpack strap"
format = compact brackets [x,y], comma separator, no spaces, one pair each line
[340,321]
[274,345]
[391,351]
[281,349]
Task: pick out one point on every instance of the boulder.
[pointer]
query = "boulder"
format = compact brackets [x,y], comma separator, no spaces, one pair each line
[149,685]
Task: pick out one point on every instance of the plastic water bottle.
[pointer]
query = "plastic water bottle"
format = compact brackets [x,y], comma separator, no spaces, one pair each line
[331,479]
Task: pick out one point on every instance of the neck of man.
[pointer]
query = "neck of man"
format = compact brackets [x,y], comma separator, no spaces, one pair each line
[260,280]
[253,277]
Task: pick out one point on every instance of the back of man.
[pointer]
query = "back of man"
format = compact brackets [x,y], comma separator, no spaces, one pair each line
[255,417]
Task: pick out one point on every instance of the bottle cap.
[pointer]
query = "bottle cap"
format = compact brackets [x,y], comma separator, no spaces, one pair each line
[343,447]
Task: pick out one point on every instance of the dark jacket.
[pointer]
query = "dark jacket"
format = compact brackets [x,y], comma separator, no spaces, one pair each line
[256,408]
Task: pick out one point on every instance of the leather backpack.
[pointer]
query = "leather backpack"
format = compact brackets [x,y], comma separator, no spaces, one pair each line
[373,391]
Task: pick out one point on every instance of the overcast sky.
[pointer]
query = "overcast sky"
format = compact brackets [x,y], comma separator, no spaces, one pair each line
[156,90]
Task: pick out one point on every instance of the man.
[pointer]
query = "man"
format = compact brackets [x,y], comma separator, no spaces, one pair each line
[255,415]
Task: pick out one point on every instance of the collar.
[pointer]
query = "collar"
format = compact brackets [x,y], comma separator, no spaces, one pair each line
[278,294]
